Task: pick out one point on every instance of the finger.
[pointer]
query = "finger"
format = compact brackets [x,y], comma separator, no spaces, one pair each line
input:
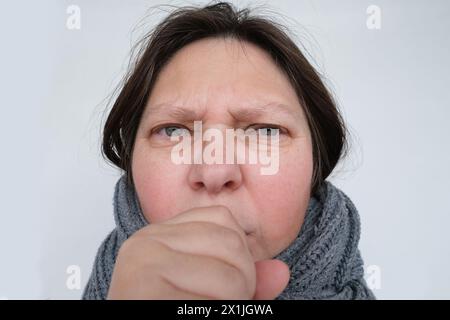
[202,275]
[272,277]
[170,291]
[209,239]
[220,215]
[161,289]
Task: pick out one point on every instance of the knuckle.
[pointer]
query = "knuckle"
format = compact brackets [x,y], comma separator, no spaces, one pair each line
[141,251]
[236,282]
[223,213]
[128,245]
[232,239]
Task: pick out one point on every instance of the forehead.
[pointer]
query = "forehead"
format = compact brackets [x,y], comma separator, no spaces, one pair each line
[222,72]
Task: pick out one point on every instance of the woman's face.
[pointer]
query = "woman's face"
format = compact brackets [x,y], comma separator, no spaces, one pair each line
[226,84]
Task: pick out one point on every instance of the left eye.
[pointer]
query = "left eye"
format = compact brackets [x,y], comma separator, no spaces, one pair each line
[266,130]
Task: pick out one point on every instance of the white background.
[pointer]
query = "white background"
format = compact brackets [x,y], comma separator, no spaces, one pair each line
[392,85]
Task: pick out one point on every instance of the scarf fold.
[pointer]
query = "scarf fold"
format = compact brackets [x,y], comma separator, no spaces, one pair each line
[324,259]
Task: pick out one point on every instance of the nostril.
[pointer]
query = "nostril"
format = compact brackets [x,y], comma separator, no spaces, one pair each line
[199,185]
[229,184]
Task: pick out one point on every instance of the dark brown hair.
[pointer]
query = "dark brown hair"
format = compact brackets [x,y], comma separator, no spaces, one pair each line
[221,19]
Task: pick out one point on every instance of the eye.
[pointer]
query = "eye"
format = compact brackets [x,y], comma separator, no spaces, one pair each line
[266,129]
[172,131]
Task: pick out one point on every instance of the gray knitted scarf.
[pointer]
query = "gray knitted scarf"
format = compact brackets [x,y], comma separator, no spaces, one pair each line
[324,259]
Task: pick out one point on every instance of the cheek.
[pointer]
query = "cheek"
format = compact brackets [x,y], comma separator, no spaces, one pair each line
[157,181]
[283,199]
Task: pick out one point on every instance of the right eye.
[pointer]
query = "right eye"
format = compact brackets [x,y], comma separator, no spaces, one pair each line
[172,131]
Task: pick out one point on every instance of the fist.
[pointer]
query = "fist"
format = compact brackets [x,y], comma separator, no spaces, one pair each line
[201,253]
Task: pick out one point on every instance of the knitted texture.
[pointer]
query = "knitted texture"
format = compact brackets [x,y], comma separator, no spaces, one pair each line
[324,259]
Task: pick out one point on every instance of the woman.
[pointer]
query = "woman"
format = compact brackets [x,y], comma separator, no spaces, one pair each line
[224,230]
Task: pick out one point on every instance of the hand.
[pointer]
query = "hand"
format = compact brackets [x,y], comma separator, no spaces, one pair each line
[201,253]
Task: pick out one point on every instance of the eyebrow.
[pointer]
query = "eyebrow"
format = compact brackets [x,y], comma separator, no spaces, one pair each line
[245,114]
[240,113]
[174,111]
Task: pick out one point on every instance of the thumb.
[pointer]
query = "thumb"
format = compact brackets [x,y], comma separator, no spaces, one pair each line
[272,276]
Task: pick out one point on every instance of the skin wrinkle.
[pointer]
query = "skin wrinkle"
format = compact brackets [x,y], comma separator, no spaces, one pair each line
[217,82]
[239,114]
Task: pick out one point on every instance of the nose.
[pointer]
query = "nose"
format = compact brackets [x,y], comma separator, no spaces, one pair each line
[215,178]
